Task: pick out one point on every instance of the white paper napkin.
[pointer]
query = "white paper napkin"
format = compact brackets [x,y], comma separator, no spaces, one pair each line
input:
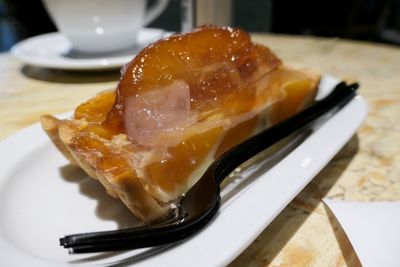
[373,229]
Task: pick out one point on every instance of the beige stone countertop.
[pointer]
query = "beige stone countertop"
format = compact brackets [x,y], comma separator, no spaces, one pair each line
[304,233]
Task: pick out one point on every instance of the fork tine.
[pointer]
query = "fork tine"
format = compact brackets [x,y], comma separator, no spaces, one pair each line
[134,238]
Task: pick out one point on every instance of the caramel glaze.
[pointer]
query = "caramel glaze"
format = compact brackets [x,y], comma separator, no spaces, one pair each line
[188,57]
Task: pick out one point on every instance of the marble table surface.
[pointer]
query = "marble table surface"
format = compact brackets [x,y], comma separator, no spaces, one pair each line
[304,233]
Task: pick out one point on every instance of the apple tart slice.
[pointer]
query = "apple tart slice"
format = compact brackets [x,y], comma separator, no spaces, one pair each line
[180,103]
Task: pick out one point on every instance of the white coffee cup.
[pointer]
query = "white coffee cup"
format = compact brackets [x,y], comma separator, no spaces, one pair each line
[100,26]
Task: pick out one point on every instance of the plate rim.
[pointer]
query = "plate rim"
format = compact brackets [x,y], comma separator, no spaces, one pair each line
[358,108]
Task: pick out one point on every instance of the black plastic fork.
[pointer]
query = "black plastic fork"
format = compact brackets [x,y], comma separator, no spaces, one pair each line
[199,205]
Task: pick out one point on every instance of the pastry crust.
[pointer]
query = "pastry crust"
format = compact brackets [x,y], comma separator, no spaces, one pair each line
[128,188]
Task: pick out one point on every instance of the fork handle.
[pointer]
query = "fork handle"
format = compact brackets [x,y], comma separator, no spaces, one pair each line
[230,160]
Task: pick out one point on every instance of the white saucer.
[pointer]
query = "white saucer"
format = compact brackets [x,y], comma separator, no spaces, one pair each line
[53,50]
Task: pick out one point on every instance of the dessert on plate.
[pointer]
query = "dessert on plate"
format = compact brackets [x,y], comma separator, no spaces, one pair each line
[180,103]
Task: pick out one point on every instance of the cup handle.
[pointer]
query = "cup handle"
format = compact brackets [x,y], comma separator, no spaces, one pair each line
[155,11]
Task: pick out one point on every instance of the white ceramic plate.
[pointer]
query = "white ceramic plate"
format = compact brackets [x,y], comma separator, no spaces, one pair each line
[42,198]
[53,50]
